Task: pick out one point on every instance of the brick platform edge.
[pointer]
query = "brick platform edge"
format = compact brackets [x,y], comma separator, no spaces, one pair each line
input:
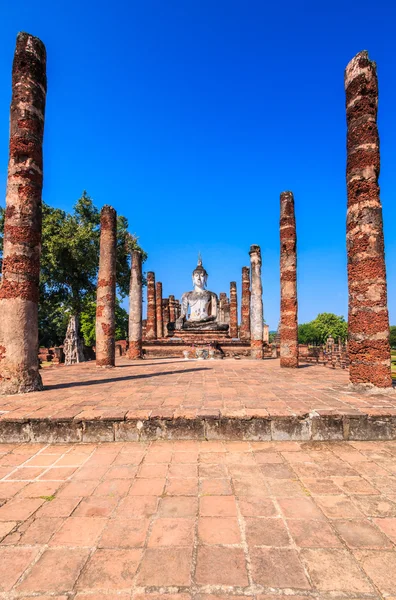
[210,425]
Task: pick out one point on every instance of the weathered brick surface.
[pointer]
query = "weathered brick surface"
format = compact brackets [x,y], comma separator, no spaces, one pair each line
[368,319]
[158,305]
[233,331]
[106,289]
[151,326]
[256,303]
[172,309]
[135,307]
[19,288]
[165,315]
[288,281]
[244,330]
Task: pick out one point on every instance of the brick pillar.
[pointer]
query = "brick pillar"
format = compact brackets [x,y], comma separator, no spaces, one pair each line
[266,334]
[233,310]
[177,307]
[256,304]
[244,330]
[106,290]
[151,328]
[19,290]
[368,319]
[165,315]
[288,280]
[135,307]
[158,304]
[172,309]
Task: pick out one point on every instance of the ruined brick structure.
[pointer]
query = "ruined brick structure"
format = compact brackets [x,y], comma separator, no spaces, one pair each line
[19,291]
[158,304]
[177,308]
[244,330]
[106,289]
[368,320]
[233,331]
[151,327]
[288,280]
[172,309]
[256,304]
[224,308]
[165,315]
[135,307]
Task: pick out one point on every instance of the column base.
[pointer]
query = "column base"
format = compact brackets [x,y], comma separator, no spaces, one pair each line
[256,349]
[21,383]
[135,350]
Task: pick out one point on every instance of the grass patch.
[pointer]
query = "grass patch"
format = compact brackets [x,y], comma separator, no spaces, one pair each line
[48,498]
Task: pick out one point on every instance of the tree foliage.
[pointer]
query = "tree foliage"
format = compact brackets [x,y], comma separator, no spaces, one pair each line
[88,323]
[318,330]
[393,336]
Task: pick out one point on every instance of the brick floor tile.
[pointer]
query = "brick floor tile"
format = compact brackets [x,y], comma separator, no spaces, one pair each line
[274,471]
[212,458]
[254,506]
[19,509]
[321,487]
[9,489]
[96,506]
[361,534]
[149,471]
[133,507]
[388,526]
[375,506]
[75,489]
[25,473]
[110,569]
[221,566]
[380,566]
[158,456]
[100,596]
[42,460]
[250,486]
[182,487]
[56,571]
[165,567]
[266,532]
[338,507]
[183,470]
[112,488]
[219,530]
[6,527]
[79,531]
[212,471]
[36,489]
[263,458]
[58,507]
[215,487]
[90,473]
[178,506]
[178,596]
[280,568]
[185,457]
[355,485]
[171,532]
[334,570]
[14,561]
[217,506]
[147,487]
[300,508]
[121,472]
[57,473]
[285,488]
[124,533]
[41,531]
[312,534]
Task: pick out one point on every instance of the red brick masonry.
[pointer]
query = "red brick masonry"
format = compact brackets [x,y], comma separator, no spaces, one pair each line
[288,281]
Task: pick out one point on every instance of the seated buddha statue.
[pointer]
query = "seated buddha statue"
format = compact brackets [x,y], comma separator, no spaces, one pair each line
[199,307]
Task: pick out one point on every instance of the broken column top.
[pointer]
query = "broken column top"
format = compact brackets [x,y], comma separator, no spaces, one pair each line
[360,64]
[255,249]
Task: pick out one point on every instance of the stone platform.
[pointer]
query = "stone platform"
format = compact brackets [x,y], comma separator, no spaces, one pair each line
[175,346]
[175,399]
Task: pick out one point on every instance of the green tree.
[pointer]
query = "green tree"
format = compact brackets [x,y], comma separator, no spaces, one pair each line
[328,324]
[308,334]
[393,336]
[88,323]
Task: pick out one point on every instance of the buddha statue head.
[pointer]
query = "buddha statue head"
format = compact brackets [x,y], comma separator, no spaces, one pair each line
[199,276]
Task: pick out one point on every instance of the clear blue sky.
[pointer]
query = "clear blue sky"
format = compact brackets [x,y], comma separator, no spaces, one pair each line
[191,117]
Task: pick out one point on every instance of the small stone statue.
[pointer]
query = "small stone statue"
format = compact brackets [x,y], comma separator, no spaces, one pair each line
[202,304]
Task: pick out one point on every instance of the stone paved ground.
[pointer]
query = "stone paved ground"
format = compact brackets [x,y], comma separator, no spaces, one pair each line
[198,520]
[173,387]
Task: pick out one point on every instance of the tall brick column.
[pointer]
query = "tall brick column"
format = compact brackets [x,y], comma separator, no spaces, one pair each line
[106,290]
[135,307]
[256,304]
[151,328]
[288,280]
[244,330]
[233,310]
[19,290]
[172,309]
[158,305]
[368,319]
[165,315]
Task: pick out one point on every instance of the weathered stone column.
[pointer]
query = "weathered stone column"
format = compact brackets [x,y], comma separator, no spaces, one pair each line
[177,308]
[135,307]
[233,310]
[19,290]
[106,290]
[172,309]
[256,304]
[288,281]
[165,315]
[265,333]
[244,330]
[158,305]
[151,328]
[368,319]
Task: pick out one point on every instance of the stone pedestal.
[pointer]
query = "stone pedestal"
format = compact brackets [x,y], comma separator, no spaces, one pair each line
[256,304]
[368,319]
[19,290]
[135,307]
[233,310]
[151,326]
[288,280]
[244,330]
[106,289]
[158,304]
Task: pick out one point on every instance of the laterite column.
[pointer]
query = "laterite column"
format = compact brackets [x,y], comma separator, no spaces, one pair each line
[244,330]
[151,327]
[19,289]
[158,304]
[135,307]
[256,304]
[368,319]
[106,290]
[233,310]
[172,309]
[165,315]
[288,281]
